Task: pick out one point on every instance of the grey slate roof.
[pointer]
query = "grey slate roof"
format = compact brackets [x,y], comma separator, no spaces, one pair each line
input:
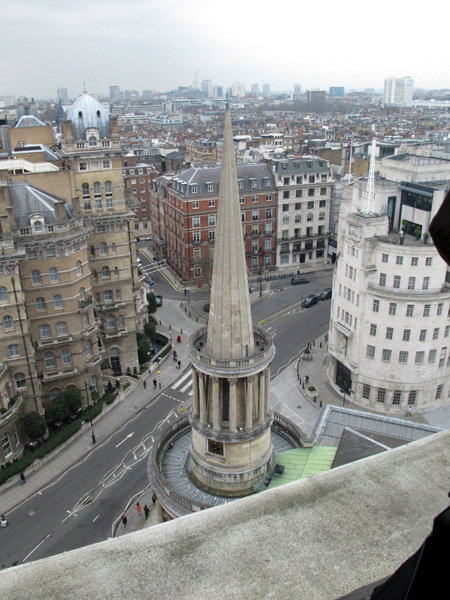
[29,121]
[300,165]
[27,200]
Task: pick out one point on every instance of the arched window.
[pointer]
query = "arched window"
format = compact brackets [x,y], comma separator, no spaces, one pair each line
[103,248]
[88,348]
[84,320]
[8,323]
[110,322]
[66,356]
[97,195]
[3,294]
[36,278]
[53,274]
[108,194]
[106,274]
[116,272]
[20,381]
[92,251]
[78,268]
[38,226]
[92,140]
[81,294]
[58,302]
[13,350]
[40,304]
[54,393]
[114,357]
[49,360]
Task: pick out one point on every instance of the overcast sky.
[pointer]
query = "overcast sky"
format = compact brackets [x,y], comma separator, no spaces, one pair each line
[161,44]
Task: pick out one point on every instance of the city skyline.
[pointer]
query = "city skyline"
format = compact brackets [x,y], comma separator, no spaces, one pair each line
[147,45]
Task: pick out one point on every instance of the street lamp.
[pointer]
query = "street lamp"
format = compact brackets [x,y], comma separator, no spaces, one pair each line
[343,392]
[159,374]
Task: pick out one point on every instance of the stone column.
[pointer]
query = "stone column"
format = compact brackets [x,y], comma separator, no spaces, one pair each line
[261,399]
[195,399]
[215,403]
[249,404]
[201,384]
[267,389]
[233,415]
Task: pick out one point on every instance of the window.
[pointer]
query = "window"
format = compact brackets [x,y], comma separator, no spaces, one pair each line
[412,397]
[440,306]
[58,302]
[19,380]
[322,203]
[389,333]
[403,357]
[106,273]
[432,356]
[428,261]
[13,350]
[212,235]
[66,357]
[370,351]
[82,166]
[366,391]
[411,283]
[397,280]
[49,360]
[439,391]
[385,258]
[6,445]
[195,204]
[36,278]
[399,260]
[53,275]
[44,331]
[8,322]
[212,220]
[40,304]
[376,306]
[436,333]
[396,397]
[61,328]
[103,248]
[386,355]
[406,335]
[425,283]
[414,261]
[373,329]
[195,221]
[420,356]
[286,194]
[110,322]
[392,308]
[255,215]
[211,203]
[285,207]
[382,279]
[381,395]
[426,310]
[107,296]
[268,213]
[410,310]
[108,194]
[447,330]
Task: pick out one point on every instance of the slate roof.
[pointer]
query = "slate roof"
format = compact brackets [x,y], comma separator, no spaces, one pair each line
[27,200]
[29,121]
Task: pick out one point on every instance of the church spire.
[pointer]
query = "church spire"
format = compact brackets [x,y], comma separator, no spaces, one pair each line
[230,329]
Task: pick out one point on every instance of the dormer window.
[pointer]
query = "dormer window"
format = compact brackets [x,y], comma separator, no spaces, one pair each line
[37,223]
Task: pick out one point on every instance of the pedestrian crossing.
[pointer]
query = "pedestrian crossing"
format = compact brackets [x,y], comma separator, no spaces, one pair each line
[183,385]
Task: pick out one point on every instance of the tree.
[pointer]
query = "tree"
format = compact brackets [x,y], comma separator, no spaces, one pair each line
[34,425]
[59,411]
[144,349]
[151,303]
[72,398]
[150,331]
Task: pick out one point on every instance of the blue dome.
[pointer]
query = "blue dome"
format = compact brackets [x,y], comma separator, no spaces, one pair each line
[87,113]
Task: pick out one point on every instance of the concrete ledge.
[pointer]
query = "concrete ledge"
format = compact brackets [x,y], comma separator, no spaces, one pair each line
[318,538]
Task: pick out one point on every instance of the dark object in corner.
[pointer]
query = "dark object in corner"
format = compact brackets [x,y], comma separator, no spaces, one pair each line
[440,229]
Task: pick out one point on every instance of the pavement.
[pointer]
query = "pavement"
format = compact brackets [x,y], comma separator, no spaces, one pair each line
[289,397]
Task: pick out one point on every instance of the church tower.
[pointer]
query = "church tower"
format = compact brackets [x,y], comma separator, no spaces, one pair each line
[231,416]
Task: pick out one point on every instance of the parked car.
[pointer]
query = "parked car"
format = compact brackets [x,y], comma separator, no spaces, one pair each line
[158,300]
[298,281]
[325,294]
[310,301]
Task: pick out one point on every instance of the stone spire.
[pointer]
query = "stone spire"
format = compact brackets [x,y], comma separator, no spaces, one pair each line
[230,329]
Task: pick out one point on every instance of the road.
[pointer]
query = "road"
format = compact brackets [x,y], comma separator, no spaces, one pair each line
[81,506]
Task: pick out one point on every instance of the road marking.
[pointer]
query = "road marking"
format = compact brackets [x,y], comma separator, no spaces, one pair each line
[95,518]
[181,380]
[125,439]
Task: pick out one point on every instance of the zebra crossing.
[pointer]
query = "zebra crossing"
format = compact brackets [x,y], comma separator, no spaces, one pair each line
[181,389]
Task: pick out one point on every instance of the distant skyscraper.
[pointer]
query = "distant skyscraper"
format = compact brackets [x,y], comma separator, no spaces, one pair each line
[337,92]
[398,91]
[206,87]
[297,89]
[266,90]
[62,94]
[114,92]
[255,89]
[316,99]
[238,90]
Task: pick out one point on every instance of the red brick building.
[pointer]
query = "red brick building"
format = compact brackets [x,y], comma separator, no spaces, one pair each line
[138,179]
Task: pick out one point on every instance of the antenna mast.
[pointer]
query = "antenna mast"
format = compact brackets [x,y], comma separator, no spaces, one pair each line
[369,202]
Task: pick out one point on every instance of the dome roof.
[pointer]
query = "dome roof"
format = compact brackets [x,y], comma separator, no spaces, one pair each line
[87,113]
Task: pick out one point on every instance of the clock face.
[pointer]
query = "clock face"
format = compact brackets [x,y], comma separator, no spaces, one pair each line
[353,230]
[215,447]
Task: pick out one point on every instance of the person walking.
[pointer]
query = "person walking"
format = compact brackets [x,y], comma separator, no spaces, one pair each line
[155,383]
[22,477]
[145,384]
[124,520]
[179,364]
[175,356]
[154,498]
[138,508]
[146,511]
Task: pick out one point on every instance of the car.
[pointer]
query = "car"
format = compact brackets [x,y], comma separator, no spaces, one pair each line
[148,238]
[139,264]
[325,294]
[310,301]
[159,300]
[298,281]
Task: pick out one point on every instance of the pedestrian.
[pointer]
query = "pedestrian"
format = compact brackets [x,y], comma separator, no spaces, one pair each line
[145,385]
[4,522]
[154,498]
[179,364]
[146,511]
[306,379]
[175,356]
[155,383]
[138,508]
[124,520]
[408,412]
[22,477]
